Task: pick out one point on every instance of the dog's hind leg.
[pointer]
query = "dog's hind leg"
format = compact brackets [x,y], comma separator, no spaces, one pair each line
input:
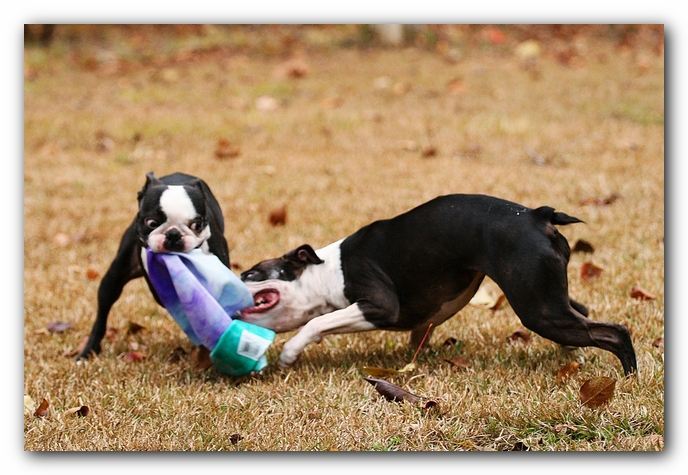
[124,268]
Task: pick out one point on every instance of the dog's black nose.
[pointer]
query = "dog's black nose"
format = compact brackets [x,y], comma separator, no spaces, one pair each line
[174,241]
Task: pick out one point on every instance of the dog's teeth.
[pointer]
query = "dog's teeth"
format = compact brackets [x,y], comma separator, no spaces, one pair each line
[260,301]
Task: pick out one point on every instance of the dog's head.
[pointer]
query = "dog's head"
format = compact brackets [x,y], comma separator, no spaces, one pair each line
[282,291]
[172,218]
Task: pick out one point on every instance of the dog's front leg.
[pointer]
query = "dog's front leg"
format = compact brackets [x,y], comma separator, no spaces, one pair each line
[346,320]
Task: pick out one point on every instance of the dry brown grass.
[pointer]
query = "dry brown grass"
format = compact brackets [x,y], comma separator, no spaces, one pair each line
[339,152]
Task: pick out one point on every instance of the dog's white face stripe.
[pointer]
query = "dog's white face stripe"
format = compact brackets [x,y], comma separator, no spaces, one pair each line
[177,205]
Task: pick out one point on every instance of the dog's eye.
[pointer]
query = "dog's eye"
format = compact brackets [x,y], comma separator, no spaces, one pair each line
[197,225]
[152,223]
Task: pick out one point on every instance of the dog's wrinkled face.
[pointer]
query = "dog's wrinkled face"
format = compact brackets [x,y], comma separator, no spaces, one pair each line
[278,290]
[172,218]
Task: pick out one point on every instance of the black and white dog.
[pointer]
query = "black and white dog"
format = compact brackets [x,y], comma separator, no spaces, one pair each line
[421,268]
[177,213]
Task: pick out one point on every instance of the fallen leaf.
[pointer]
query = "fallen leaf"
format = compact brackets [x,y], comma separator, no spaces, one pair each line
[42,410]
[59,327]
[294,68]
[429,151]
[409,367]
[520,334]
[590,271]
[597,391]
[659,342]
[134,328]
[392,392]
[201,358]
[112,334]
[226,149]
[642,294]
[134,356]
[331,102]
[601,201]
[235,438]
[456,86]
[176,355]
[278,216]
[81,411]
[583,246]
[377,372]
[459,362]
[92,274]
[495,35]
[567,370]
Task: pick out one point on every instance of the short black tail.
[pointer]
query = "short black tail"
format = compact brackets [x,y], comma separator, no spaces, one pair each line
[548,214]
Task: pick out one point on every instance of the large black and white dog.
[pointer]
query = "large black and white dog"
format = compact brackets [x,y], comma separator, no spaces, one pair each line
[421,268]
[177,213]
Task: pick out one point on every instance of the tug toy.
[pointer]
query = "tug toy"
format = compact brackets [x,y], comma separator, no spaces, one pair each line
[202,295]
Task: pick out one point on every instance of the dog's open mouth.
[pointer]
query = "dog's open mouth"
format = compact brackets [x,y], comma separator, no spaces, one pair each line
[264,300]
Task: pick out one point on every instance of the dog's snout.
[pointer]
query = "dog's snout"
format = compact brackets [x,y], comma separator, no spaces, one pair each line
[173,240]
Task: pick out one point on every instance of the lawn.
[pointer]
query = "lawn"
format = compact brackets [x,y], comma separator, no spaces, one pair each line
[339,130]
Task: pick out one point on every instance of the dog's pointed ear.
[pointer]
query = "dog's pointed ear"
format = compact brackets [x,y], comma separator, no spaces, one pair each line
[150,181]
[303,255]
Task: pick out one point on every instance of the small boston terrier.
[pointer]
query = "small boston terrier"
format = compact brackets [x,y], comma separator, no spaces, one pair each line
[177,213]
[421,267]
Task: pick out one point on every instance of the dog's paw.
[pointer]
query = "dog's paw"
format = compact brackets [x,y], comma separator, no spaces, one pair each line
[288,356]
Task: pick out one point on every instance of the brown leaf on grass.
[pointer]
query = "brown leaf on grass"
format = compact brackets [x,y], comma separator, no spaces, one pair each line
[659,342]
[226,149]
[176,355]
[590,271]
[459,362]
[295,68]
[278,216]
[642,294]
[567,370]
[597,391]
[134,328]
[42,410]
[134,356]
[112,334]
[81,411]
[456,86]
[583,246]
[201,358]
[520,334]
[59,327]
[392,392]
[429,151]
[377,372]
[78,349]
[601,201]
[235,438]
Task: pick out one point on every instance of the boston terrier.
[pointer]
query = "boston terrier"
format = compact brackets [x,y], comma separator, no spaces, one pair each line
[177,213]
[421,267]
